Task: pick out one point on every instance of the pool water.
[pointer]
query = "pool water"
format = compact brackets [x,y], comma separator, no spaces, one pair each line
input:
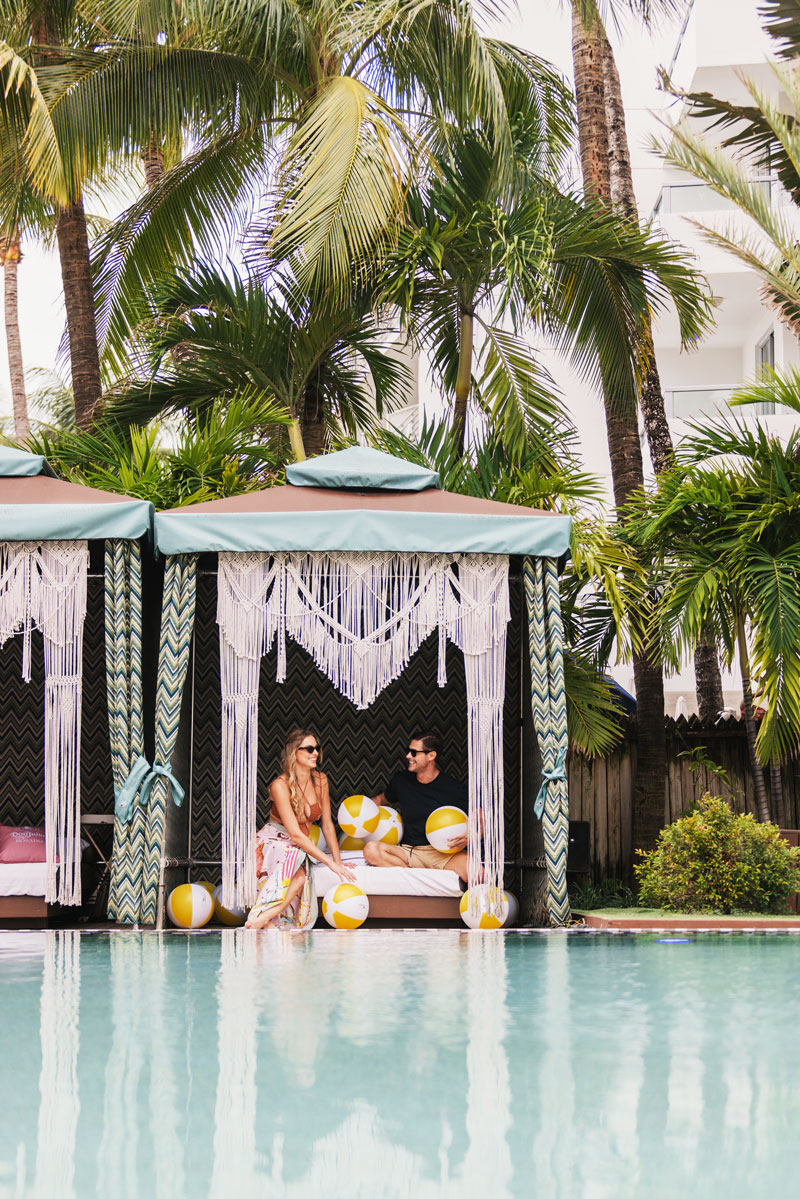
[397,1063]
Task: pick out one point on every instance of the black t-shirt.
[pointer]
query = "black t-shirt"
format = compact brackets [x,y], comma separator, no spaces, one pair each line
[415,801]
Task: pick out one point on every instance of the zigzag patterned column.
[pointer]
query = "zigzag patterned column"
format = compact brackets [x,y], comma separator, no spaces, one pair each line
[177,624]
[549,706]
[123,623]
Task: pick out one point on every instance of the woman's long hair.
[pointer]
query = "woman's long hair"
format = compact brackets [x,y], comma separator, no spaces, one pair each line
[288,764]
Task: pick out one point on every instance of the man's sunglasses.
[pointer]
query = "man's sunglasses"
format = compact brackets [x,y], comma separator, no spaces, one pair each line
[309,749]
[414,752]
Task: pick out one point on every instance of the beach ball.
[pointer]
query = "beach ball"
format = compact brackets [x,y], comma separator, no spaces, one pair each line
[358,816]
[390,827]
[318,837]
[484,917]
[444,823]
[230,916]
[345,906]
[513,910]
[190,906]
[354,843]
[208,886]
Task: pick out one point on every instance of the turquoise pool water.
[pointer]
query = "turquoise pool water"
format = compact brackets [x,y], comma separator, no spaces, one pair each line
[397,1064]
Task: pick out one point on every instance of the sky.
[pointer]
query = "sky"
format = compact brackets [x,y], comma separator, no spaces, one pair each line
[540,25]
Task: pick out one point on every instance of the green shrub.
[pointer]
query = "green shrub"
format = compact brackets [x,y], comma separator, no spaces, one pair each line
[714,861]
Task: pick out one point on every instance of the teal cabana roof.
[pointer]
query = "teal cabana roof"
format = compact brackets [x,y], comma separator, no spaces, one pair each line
[34,506]
[360,499]
[19,462]
[361,468]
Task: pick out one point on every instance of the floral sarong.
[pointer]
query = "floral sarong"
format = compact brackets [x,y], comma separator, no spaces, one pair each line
[277,861]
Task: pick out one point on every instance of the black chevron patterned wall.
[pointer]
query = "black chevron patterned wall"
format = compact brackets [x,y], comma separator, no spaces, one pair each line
[22,724]
[361,749]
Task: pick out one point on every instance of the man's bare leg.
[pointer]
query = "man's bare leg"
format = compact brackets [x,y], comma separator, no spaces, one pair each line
[378,853]
[266,919]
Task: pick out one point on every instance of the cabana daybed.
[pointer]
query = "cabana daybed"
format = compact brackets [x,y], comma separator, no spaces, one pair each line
[70,728]
[347,575]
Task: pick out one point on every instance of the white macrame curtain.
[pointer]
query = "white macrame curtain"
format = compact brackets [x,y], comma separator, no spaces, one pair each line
[43,585]
[361,617]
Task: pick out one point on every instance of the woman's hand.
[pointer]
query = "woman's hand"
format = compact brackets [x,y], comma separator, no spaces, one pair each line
[345,873]
[456,843]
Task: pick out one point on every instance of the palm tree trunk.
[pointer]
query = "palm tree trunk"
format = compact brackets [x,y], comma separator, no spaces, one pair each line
[296,441]
[313,421]
[708,680]
[463,378]
[10,257]
[776,792]
[76,275]
[762,801]
[153,163]
[623,434]
[76,271]
[587,62]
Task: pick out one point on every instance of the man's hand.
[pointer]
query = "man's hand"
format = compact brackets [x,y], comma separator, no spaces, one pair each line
[457,843]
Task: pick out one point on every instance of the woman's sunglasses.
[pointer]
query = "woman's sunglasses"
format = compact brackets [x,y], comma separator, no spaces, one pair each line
[309,749]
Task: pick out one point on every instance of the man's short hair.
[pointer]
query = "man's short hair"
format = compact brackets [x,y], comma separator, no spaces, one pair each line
[431,742]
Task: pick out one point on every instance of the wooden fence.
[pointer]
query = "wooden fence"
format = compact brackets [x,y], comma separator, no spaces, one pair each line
[601,789]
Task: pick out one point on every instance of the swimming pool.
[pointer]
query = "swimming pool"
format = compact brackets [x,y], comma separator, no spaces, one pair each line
[397,1063]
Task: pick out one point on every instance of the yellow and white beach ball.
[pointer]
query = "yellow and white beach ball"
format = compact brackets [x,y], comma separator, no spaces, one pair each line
[232,917]
[358,816]
[513,910]
[318,837]
[345,906]
[390,827]
[442,825]
[190,906]
[484,917]
[353,843]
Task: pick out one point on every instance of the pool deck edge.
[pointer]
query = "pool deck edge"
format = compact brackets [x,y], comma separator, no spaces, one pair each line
[682,923]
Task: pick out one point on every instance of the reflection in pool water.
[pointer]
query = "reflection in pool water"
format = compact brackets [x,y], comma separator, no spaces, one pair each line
[395,1063]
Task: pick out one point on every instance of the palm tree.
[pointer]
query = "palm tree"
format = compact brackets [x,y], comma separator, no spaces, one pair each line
[331,104]
[10,258]
[477,253]
[605,162]
[29,148]
[726,547]
[213,337]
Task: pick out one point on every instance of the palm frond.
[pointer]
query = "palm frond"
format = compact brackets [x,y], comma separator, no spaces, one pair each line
[341,186]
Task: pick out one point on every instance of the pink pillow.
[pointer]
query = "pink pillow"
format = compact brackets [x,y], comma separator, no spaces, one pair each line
[24,844]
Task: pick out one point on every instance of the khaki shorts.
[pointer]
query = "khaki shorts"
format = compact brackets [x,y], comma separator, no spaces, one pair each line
[427,858]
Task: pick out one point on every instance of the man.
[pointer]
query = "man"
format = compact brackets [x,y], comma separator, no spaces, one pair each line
[416,792]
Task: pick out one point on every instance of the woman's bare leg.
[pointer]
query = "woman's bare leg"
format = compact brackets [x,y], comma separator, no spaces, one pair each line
[272,914]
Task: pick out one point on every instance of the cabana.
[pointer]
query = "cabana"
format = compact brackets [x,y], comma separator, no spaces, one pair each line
[70,562]
[361,559]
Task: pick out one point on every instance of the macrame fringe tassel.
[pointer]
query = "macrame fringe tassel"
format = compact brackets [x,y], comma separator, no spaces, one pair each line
[44,585]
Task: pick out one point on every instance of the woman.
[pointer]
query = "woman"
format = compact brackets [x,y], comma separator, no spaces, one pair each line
[300,796]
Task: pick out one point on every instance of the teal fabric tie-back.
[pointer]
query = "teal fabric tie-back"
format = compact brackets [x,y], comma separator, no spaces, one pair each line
[550,776]
[165,772]
[143,775]
[126,794]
